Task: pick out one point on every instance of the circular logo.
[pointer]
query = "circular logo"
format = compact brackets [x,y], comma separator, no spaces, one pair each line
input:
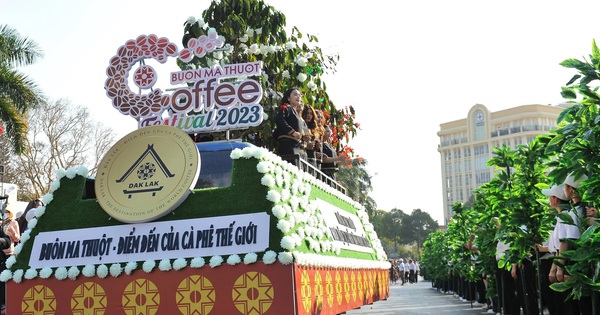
[147,174]
[144,77]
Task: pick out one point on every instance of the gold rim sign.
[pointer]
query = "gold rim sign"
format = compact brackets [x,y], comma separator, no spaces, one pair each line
[147,174]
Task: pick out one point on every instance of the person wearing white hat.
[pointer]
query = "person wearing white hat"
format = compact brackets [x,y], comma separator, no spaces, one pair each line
[573,232]
[555,301]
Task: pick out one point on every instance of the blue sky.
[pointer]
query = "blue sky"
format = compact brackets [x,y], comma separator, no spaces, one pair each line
[406,66]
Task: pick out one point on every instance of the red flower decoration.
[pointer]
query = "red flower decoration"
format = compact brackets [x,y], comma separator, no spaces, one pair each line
[283,106]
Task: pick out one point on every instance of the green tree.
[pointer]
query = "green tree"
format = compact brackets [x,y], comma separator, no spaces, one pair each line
[417,226]
[254,31]
[17,92]
[357,181]
[576,148]
[391,227]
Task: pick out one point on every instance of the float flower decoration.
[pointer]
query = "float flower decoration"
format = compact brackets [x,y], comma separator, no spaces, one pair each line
[300,219]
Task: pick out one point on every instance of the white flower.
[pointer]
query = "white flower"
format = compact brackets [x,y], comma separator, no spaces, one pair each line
[268,180]
[39,211]
[271,49]
[5,275]
[211,62]
[31,225]
[11,261]
[273,196]
[200,22]
[73,272]
[285,74]
[264,49]
[290,45]
[284,226]
[130,267]
[235,154]
[55,185]
[19,247]
[89,271]
[18,276]
[311,85]
[248,152]
[254,49]
[191,20]
[301,61]
[288,209]
[258,31]
[60,173]
[279,212]
[250,258]
[288,242]
[45,273]
[263,167]
[279,180]
[269,257]
[60,273]
[82,171]
[218,55]
[300,217]
[148,265]
[294,202]
[300,232]
[301,77]
[102,271]
[164,265]
[286,258]
[197,262]
[179,263]
[285,195]
[278,170]
[234,259]
[31,273]
[71,173]
[250,32]
[215,261]
[297,239]
[115,270]
[47,198]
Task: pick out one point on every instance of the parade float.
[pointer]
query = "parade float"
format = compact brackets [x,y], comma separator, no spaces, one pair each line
[171,226]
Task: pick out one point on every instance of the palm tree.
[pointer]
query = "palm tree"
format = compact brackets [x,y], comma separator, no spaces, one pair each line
[17,92]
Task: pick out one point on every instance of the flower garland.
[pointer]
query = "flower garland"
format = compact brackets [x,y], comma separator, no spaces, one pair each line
[299,219]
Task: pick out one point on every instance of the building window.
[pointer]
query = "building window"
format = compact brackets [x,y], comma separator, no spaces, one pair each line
[467,152]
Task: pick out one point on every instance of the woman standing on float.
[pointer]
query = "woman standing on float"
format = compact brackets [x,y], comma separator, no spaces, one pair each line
[291,130]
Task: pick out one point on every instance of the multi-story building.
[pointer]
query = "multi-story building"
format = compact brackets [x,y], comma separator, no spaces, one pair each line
[466,144]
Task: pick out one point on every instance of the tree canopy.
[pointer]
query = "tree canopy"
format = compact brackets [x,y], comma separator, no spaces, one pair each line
[18,93]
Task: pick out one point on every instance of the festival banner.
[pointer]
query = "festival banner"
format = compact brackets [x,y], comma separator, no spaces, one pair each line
[199,237]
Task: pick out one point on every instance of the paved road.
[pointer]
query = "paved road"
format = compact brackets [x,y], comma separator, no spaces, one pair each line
[416,299]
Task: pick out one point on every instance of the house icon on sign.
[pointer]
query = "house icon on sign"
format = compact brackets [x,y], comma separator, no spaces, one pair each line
[145,168]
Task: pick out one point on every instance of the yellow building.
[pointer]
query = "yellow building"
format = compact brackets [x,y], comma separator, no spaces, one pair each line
[466,144]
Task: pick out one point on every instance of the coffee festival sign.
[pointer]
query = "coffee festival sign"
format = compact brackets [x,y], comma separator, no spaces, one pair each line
[205,105]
